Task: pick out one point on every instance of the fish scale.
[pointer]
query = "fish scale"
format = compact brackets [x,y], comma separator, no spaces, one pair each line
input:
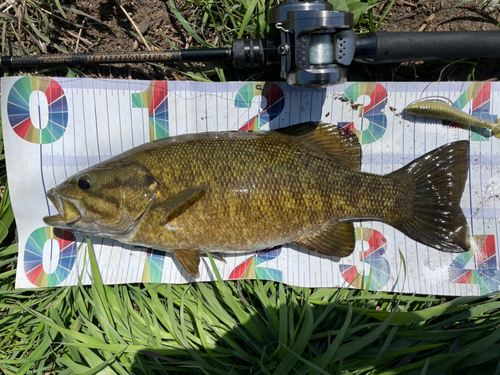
[280,204]
[240,191]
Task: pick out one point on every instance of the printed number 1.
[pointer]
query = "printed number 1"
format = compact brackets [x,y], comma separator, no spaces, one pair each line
[155,99]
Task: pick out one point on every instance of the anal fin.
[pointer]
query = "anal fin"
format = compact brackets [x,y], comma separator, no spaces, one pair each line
[189,260]
[337,240]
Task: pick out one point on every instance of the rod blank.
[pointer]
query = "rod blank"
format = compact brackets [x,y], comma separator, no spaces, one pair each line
[192,55]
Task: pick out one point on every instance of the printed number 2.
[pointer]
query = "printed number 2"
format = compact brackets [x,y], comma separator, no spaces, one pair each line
[275,99]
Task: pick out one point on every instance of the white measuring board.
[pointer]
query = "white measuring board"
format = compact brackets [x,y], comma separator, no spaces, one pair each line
[55,127]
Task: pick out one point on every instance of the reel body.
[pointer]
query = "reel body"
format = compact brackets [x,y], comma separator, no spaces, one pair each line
[316,42]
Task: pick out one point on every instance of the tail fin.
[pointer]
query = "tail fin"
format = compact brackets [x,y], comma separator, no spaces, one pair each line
[439,177]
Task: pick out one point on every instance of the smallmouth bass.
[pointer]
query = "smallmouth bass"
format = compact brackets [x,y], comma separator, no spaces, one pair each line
[244,191]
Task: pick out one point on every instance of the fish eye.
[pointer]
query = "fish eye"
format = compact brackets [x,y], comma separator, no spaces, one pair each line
[84,182]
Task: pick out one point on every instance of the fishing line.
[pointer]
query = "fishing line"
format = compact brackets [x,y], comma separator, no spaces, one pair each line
[435,98]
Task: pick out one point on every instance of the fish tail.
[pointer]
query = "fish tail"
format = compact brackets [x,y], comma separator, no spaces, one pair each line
[439,179]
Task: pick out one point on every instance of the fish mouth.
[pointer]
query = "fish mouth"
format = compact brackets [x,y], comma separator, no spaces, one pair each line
[68,214]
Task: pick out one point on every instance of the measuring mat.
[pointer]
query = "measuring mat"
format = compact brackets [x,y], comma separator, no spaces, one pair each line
[55,127]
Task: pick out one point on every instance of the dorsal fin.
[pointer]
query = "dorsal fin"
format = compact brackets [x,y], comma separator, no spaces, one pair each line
[339,143]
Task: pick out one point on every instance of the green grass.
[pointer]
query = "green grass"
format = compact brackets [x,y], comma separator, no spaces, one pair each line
[27,27]
[246,327]
[240,328]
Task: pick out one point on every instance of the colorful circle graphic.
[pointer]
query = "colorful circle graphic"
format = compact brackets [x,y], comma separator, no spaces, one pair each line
[153,267]
[155,100]
[250,268]
[275,103]
[18,110]
[480,95]
[374,256]
[373,112]
[34,256]
[487,275]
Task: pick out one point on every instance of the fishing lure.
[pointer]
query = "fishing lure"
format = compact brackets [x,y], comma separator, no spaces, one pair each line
[442,111]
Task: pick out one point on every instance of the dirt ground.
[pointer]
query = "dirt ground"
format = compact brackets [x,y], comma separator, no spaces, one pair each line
[445,15]
[156,22]
[110,32]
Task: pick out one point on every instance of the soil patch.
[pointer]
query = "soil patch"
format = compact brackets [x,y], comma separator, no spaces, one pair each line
[111,31]
[445,15]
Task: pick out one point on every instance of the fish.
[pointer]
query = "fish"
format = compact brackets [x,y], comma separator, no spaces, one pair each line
[249,191]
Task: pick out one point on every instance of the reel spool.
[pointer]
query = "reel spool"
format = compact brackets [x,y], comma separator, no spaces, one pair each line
[317,43]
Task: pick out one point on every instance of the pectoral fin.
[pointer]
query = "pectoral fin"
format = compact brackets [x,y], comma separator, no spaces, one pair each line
[338,240]
[189,260]
[179,203]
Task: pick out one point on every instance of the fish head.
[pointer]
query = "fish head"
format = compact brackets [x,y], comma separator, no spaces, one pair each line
[106,200]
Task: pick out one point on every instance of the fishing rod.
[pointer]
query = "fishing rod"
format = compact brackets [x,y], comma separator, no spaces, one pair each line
[315,48]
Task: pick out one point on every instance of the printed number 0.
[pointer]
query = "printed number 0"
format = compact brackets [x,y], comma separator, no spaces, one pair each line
[18,110]
[35,251]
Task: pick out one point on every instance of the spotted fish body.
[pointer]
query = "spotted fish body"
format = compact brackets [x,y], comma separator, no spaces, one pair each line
[243,191]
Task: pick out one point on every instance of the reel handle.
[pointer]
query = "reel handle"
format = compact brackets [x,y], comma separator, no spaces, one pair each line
[393,47]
